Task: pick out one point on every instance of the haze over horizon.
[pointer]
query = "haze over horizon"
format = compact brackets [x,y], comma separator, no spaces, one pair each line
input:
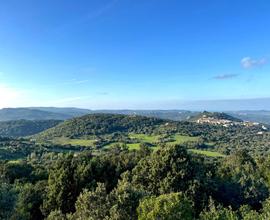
[260,104]
[116,54]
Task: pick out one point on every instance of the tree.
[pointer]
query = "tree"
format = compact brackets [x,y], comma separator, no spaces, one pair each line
[29,202]
[62,187]
[173,169]
[174,206]
[56,215]
[247,213]
[92,205]
[125,199]
[13,171]
[167,170]
[7,200]
[241,182]
[218,213]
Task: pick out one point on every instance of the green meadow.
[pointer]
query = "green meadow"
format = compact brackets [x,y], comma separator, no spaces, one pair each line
[153,139]
[207,153]
[180,139]
[73,142]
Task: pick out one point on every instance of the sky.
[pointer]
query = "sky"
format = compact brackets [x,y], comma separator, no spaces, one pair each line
[133,54]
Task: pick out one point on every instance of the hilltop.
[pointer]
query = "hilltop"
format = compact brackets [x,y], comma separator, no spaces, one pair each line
[214,117]
[100,124]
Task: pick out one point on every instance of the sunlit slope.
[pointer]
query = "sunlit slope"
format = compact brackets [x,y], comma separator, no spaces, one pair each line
[101,124]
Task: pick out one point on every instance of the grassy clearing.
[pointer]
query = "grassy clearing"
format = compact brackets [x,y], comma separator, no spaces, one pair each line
[145,138]
[207,153]
[73,142]
[153,139]
[15,161]
[180,139]
[134,146]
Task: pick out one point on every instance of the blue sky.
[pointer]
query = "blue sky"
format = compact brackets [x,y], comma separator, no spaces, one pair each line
[132,53]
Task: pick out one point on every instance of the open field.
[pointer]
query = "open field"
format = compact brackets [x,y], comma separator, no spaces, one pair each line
[145,138]
[153,139]
[73,142]
[135,146]
[180,139]
[207,153]
[18,161]
[137,139]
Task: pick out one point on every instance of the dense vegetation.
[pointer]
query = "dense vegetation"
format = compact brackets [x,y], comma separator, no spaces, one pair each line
[100,124]
[106,129]
[21,128]
[142,168]
[120,184]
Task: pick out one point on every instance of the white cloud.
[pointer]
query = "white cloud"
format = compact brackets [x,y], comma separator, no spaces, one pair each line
[248,62]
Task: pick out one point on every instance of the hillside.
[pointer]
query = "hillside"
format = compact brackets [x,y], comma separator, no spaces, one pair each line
[99,124]
[23,128]
[215,118]
[183,115]
[71,112]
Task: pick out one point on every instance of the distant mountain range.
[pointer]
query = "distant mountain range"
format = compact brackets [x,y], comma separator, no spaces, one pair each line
[11,114]
[52,113]
[254,116]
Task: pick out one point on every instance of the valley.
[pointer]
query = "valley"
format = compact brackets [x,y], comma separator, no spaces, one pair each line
[129,156]
[211,134]
[134,110]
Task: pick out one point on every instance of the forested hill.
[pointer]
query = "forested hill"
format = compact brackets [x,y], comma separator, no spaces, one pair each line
[216,116]
[71,112]
[21,128]
[99,124]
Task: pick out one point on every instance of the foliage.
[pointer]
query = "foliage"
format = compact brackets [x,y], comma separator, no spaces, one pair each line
[218,213]
[97,124]
[166,207]
[29,200]
[240,181]
[62,189]
[43,180]
[7,200]
[92,205]
[23,128]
